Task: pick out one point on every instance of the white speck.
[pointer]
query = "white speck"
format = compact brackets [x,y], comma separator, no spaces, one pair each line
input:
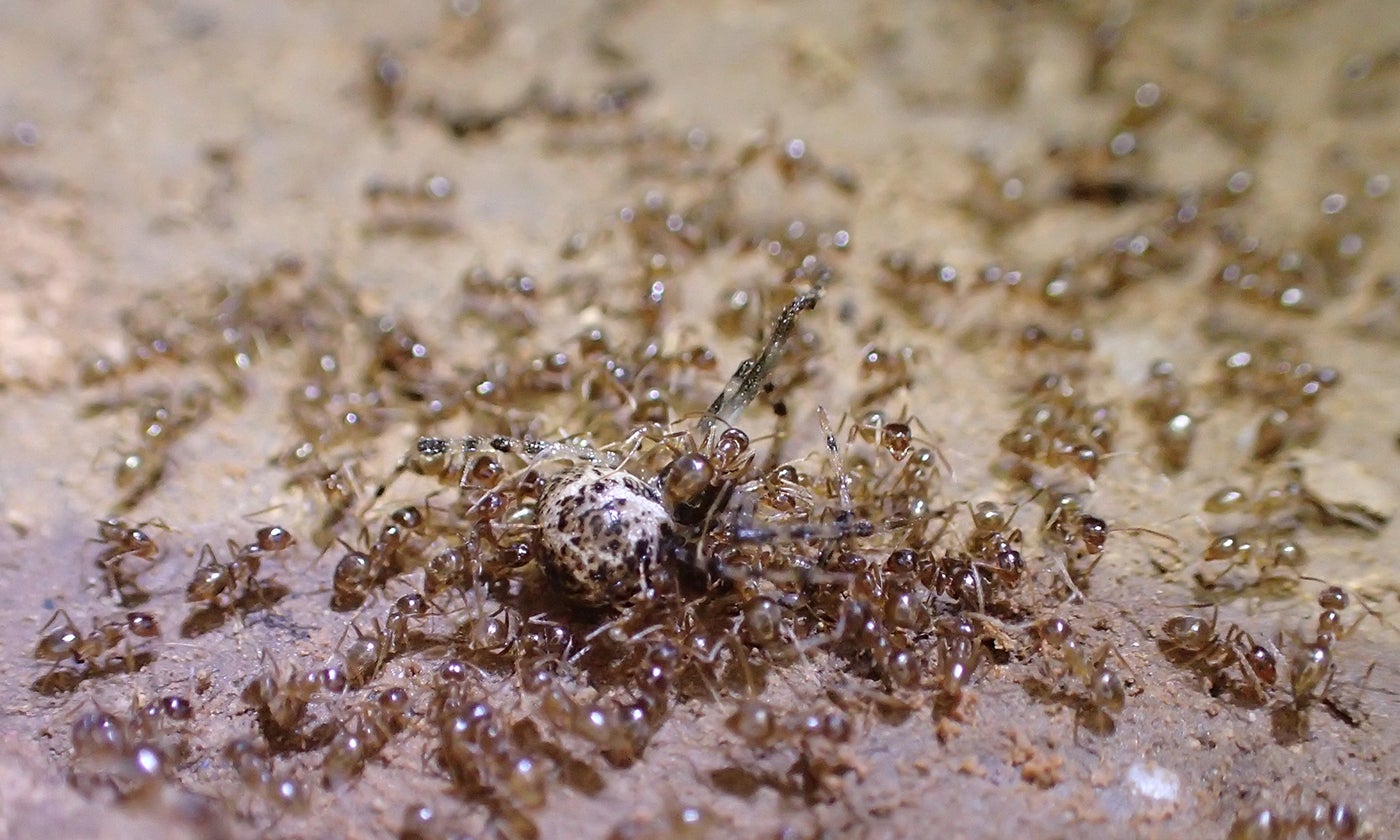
[1154,781]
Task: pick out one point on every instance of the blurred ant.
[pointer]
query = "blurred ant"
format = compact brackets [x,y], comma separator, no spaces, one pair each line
[66,641]
[1164,404]
[885,372]
[1322,818]
[365,733]
[281,700]
[816,735]
[124,756]
[253,764]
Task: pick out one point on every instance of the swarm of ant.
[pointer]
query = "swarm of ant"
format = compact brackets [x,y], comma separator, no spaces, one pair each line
[612,584]
[540,602]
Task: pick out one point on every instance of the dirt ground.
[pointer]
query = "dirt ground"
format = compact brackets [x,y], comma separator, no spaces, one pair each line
[155,153]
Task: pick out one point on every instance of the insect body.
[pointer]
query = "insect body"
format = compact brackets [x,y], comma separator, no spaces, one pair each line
[65,641]
[603,531]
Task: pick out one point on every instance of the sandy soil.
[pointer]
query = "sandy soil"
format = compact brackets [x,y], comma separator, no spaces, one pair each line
[157,152]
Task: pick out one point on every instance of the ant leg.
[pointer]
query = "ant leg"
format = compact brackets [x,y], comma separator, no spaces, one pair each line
[1109,647]
[129,655]
[843,481]
[66,620]
[535,450]
[1213,582]
[630,445]
[1062,566]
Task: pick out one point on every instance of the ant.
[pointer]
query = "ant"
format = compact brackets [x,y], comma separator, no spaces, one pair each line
[1080,536]
[491,759]
[358,572]
[1103,695]
[886,372]
[918,458]
[993,546]
[370,727]
[163,419]
[369,651]
[253,764]
[66,641]
[281,701]
[1313,665]
[122,541]
[1322,818]
[1164,404]
[415,208]
[1191,641]
[988,566]
[959,654]
[127,756]
[220,587]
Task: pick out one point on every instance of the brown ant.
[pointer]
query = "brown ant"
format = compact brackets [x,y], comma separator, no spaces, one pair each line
[959,654]
[1312,666]
[893,437]
[1164,404]
[1103,692]
[490,759]
[1259,529]
[122,541]
[1193,642]
[160,423]
[281,700]
[125,756]
[359,572]
[1321,818]
[885,373]
[253,764]
[223,586]
[66,641]
[817,736]
[368,730]
[1081,535]
[364,656]
[995,548]
[420,208]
